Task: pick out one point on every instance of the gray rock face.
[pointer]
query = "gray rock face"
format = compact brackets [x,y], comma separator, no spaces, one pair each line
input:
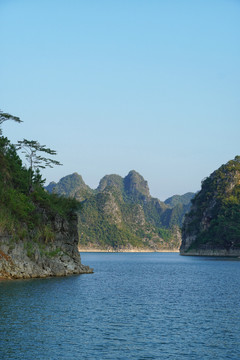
[31,258]
[136,186]
[112,210]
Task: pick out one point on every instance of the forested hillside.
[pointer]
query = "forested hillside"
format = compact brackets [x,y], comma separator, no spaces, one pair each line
[121,214]
[212,227]
[35,230]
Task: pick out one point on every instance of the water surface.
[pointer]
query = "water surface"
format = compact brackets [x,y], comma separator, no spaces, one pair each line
[135,306]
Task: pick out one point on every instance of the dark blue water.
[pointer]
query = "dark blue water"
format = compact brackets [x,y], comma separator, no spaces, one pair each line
[135,306]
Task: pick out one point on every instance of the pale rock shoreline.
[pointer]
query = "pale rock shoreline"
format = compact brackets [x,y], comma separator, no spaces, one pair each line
[212,252]
[124,250]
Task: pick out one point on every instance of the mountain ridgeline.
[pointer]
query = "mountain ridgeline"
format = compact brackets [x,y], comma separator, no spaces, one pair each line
[121,214]
[212,227]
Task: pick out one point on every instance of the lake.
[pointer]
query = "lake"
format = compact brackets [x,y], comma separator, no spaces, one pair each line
[135,306]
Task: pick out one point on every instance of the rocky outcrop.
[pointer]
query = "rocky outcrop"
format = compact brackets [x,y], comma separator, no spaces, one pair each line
[135,186]
[38,257]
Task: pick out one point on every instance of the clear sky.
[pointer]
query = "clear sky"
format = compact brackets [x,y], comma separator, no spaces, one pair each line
[116,85]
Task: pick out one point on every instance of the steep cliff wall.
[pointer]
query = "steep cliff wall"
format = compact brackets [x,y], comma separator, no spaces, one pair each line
[38,257]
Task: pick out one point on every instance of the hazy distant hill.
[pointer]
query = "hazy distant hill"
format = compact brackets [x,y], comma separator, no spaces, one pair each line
[180,199]
[121,213]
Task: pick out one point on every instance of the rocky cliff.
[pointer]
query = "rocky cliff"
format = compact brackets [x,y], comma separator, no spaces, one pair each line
[42,256]
[212,227]
[38,230]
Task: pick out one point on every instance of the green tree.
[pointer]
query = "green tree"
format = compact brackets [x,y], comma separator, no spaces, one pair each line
[32,150]
[5,117]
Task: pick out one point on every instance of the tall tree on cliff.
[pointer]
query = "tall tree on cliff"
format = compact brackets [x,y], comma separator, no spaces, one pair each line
[32,150]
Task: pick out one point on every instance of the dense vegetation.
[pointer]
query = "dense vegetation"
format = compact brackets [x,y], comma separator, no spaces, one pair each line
[26,209]
[122,213]
[71,186]
[214,219]
[107,221]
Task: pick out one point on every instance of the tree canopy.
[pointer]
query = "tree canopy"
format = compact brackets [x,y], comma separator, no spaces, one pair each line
[32,150]
[5,117]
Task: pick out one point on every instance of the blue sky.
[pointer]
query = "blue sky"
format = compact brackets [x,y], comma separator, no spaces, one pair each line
[125,84]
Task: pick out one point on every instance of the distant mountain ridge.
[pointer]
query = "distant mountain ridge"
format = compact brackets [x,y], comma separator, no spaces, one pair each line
[121,213]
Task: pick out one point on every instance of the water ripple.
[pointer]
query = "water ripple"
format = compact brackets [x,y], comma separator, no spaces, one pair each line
[135,306]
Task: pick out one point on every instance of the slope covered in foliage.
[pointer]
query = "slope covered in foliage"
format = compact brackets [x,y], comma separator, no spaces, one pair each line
[213,224]
[71,186]
[121,213]
[25,204]
[38,230]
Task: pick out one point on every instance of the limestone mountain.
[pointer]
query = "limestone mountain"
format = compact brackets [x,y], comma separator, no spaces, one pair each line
[51,186]
[212,227]
[121,213]
[135,187]
[111,181]
[71,186]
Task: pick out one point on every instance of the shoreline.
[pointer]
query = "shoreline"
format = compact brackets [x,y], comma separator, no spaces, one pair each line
[133,250]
